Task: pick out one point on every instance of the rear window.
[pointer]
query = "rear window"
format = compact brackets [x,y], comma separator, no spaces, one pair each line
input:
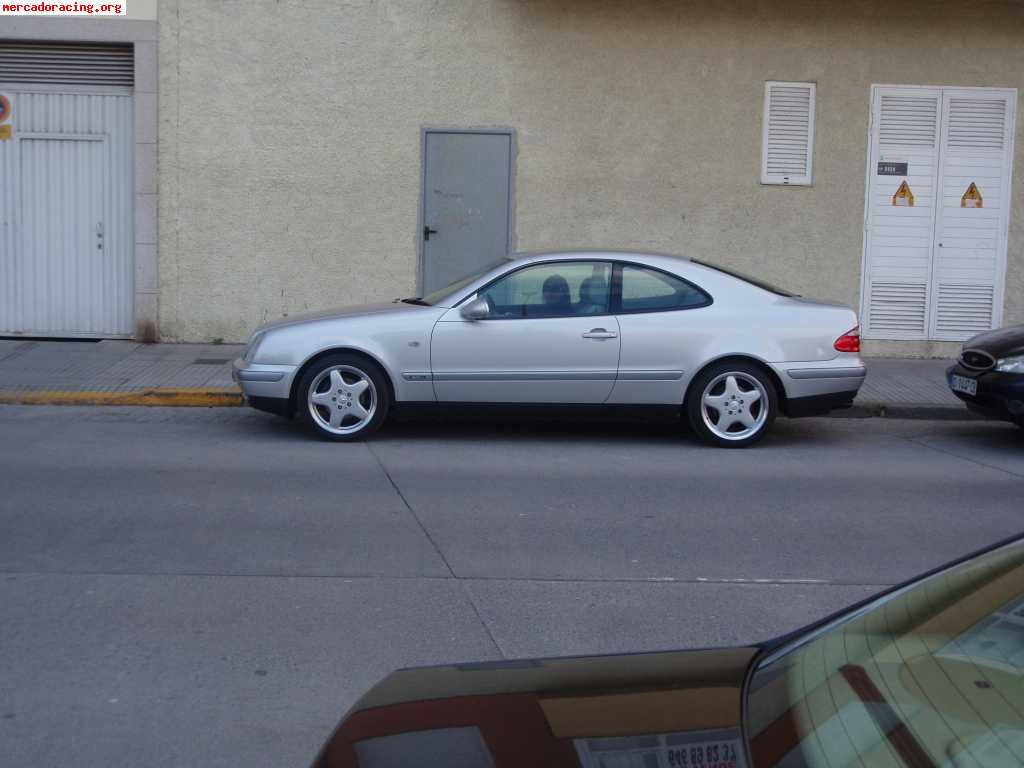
[747,279]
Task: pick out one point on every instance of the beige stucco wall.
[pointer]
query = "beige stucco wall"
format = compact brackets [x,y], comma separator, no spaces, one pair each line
[290,134]
[141,9]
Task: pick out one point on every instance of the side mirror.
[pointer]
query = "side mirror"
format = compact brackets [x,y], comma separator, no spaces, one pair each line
[475,309]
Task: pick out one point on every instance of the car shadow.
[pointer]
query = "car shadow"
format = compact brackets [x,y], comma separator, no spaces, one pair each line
[592,429]
[476,426]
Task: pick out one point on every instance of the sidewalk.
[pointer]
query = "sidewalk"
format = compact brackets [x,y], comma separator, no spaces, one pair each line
[117,373]
[907,388]
[127,373]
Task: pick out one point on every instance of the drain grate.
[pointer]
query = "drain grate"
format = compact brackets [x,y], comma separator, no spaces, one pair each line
[211,360]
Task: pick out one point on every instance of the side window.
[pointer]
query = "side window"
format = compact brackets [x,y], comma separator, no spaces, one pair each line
[648,290]
[561,289]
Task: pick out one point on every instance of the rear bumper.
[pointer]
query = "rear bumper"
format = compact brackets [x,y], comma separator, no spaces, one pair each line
[1000,395]
[815,388]
[818,405]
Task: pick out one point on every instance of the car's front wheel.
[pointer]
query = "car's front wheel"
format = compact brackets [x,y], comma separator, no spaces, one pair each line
[732,404]
[343,397]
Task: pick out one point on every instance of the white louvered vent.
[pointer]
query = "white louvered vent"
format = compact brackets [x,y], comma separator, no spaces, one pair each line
[897,309]
[908,121]
[67,63]
[977,123]
[963,310]
[788,136]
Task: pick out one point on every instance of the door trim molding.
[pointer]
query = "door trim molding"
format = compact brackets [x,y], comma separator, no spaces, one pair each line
[551,376]
[513,161]
[525,376]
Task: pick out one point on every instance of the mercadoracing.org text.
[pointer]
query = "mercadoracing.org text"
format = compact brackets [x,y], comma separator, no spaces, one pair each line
[63,9]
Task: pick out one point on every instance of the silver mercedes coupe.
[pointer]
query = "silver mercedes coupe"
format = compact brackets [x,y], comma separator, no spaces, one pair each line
[724,351]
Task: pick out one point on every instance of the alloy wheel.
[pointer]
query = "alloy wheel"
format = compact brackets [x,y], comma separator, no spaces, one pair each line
[342,399]
[734,406]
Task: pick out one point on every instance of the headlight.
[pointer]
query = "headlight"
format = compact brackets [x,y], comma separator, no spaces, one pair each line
[1013,364]
[253,345]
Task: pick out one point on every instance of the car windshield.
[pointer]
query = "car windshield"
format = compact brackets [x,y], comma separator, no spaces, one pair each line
[746,278]
[438,296]
[926,676]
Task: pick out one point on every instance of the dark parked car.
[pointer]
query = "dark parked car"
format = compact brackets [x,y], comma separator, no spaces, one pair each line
[924,675]
[989,376]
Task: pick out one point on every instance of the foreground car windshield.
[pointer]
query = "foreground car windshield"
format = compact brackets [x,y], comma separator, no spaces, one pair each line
[928,676]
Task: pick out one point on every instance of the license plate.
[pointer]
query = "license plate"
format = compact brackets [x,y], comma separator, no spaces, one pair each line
[963,384]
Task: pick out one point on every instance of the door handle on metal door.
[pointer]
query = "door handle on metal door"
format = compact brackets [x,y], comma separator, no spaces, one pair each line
[599,333]
[427,232]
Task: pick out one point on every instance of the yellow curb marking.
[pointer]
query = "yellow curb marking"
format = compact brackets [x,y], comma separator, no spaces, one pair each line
[194,398]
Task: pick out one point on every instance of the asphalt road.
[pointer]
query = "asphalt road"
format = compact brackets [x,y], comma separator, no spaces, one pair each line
[185,587]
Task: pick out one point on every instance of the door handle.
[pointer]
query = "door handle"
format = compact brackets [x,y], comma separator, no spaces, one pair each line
[427,232]
[600,333]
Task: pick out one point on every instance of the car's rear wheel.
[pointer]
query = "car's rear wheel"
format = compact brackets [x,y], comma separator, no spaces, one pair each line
[343,397]
[732,404]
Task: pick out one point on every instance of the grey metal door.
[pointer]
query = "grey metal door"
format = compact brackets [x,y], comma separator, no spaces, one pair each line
[466,195]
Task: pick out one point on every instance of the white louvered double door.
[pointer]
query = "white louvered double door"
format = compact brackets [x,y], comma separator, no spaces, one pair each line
[935,250]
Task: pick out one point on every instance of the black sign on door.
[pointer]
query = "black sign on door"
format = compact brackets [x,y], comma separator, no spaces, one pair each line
[892,169]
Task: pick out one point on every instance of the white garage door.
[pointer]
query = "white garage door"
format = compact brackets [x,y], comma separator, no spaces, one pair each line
[937,211]
[66,192]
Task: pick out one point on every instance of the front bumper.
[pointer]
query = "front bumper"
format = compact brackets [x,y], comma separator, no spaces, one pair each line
[1000,395]
[263,381]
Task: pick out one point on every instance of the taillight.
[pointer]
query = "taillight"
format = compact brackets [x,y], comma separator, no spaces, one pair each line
[849,341]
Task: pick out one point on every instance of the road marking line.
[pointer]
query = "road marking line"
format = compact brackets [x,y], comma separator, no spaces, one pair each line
[765,581]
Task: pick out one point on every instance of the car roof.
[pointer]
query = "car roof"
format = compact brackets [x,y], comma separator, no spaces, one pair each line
[527,257]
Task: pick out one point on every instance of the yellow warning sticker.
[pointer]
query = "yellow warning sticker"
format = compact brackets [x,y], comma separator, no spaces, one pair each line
[903,195]
[5,132]
[972,198]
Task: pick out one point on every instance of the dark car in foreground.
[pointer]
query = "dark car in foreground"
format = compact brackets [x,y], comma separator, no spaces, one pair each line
[925,675]
[989,375]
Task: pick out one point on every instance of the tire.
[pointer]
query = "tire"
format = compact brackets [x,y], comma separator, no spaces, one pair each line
[737,422]
[343,397]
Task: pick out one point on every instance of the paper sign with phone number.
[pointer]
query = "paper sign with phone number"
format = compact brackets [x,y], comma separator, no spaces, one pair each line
[704,754]
[688,749]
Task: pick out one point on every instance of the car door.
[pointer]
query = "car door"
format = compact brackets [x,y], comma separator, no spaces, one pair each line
[548,338]
[664,322]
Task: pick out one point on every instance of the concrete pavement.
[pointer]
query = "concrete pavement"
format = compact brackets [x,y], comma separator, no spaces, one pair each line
[117,373]
[127,373]
[211,587]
